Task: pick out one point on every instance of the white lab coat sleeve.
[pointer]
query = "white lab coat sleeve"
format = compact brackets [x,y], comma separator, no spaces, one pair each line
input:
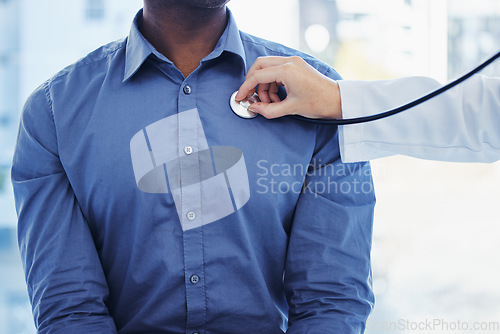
[461,125]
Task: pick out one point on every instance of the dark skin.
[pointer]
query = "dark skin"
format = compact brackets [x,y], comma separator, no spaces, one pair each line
[184,31]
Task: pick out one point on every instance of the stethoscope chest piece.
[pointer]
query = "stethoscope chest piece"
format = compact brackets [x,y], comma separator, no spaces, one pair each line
[241,108]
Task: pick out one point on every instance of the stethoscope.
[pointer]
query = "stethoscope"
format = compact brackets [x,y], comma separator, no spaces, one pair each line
[241,108]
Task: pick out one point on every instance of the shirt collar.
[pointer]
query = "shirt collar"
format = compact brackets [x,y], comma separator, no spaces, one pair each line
[138,49]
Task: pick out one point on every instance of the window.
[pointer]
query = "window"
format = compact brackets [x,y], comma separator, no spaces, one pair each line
[94,10]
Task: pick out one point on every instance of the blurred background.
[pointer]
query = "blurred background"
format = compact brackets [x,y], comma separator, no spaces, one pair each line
[436,255]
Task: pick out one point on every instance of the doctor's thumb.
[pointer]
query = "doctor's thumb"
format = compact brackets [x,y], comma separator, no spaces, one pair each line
[269,110]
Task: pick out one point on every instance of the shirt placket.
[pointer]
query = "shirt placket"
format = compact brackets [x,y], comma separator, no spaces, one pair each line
[191,213]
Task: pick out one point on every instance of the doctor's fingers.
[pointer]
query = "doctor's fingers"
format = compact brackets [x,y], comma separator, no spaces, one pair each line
[264,78]
[268,92]
[272,61]
[271,110]
[273,92]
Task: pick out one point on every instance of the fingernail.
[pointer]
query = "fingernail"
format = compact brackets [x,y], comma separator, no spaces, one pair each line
[252,110]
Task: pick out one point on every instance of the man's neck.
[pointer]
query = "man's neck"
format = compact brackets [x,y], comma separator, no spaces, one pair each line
[183,34]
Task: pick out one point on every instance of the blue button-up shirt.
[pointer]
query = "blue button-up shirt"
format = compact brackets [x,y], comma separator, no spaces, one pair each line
[146,206]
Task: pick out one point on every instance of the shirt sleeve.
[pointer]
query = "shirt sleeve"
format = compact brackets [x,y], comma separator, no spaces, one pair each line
[328,268]
[460,125]
[65,279]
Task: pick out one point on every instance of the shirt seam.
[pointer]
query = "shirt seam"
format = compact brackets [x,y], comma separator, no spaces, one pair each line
[49,101]
[81,63]
[264,46]
[316,128]
[50,104]
[202,216]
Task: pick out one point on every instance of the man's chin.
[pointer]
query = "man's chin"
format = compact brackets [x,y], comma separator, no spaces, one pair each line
[209,4]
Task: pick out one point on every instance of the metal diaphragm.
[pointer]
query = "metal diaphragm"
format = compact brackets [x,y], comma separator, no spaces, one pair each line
[241,108]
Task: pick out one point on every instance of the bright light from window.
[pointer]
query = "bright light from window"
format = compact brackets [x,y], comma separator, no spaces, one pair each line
[317,37]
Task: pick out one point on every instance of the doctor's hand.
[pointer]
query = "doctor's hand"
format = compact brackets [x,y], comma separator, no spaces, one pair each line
[309,93]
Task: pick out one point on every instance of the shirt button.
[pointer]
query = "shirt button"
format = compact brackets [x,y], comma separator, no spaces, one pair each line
[187,90]
[194,279]
[190,215]
[188,150]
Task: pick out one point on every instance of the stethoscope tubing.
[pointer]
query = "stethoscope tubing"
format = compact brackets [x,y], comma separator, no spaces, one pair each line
[402,108]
